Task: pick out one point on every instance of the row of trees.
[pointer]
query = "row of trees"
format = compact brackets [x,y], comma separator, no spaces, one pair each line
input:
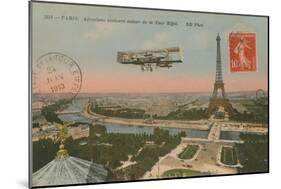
[257,113]
[148,157]
[191,114]
[132,113]
[253,153]
[109,149]
[254,117]
[49,112]
[43,152]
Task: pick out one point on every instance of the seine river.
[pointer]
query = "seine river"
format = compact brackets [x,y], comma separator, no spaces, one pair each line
[77,105]
[116,128]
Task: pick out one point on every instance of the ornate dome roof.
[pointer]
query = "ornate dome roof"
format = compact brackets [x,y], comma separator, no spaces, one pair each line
[70,170]
[67,170]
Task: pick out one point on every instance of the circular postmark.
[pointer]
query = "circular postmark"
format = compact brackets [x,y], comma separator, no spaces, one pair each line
[56,74]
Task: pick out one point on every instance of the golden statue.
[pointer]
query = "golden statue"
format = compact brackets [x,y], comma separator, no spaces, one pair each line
[61,137]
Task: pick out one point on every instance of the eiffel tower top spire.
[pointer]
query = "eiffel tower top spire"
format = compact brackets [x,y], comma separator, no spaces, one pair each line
[219,78]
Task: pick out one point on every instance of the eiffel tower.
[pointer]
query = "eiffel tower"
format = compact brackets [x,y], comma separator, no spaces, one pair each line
[217,101]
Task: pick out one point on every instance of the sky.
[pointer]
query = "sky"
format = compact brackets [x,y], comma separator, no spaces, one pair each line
[94,47]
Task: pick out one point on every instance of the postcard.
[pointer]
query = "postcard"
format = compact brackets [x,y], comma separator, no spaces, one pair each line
[121,94]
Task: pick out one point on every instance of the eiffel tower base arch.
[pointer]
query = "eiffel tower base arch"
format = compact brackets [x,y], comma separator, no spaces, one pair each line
[215,103]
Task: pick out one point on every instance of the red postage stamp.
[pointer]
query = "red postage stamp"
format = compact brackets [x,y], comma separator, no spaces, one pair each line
[242,51]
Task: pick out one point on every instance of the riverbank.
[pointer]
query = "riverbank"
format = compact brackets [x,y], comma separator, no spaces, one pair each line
[203,125]
[199,125]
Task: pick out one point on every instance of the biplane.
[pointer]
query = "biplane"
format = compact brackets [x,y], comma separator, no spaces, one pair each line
[164,58]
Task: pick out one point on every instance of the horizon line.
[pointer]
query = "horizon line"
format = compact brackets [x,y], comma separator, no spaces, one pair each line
[126,92]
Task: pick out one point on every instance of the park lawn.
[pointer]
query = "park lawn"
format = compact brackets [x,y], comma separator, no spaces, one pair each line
[188,152]
[182,173]
[229,156]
